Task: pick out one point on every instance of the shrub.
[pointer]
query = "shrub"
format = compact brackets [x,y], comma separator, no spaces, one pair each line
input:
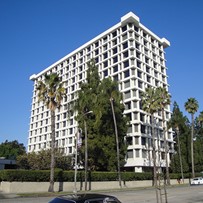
[68,176]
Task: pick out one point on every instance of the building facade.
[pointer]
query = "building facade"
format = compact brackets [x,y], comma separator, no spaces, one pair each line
[129,53]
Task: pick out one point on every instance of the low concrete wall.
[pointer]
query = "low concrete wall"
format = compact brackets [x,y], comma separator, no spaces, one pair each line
[37,187]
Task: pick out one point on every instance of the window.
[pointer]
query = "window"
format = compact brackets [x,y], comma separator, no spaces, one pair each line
[105,55]
[125,54]
[143,140]
[138,64]
[139,74]
[137,153]
[126,74]
[105,64]
[115,77]
[70,150]
[137,46]
[136,28]
[127,95]
[96,44]
[71,131]
[156,74]
[163,78]
[126,64]
[115,69]
[115,59]
[146,51]
[125,45]
[142,116]
[96,52]
[136,140]
[147,69]
[129,140]
[114,34]
[130,154]
[114,42]
[127,84]
[127,105]
[88,50]
[136,128]
[147,60]
[144,35]
[138,55]
[144,153]
[115,50]
[124,28]
[142,129]
[105,39]
[148,78]
[96,60]
[105,73]
[155,65]
[105,47]
[140,84]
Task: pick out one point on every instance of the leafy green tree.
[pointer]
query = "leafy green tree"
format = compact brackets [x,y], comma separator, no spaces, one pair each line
[164,101]
[87,98]
[175,165]
[51,92]
[11,149]
[191,106]
[178,123]
[198,143]
[41,160]
[100,125]
[200,118]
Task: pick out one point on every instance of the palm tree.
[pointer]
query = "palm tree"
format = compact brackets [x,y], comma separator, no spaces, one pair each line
[51,92]
[111,91]
[191,106]
[150,104]
[164,101]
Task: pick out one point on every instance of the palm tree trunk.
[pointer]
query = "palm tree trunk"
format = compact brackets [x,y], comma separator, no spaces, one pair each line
[166,148]
[154,160]
[117,142]
[52,165]
[180,156]
[192,150]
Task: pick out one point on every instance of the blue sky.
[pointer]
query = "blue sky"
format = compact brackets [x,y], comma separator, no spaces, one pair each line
[36,33]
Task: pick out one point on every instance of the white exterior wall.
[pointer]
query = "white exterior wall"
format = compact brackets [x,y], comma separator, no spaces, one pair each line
[129,53]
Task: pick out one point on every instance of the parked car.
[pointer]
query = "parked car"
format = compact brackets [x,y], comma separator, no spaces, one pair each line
[85,198]
[197,181]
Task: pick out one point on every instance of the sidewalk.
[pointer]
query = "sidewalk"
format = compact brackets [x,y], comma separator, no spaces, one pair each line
[7,195]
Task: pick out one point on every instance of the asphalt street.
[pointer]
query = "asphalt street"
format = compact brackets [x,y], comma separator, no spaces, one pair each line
[178,194]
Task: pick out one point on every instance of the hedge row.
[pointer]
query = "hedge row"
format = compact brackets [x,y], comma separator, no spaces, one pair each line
[60,175]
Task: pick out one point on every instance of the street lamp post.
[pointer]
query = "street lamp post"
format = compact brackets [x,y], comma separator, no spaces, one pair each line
[76,163]
[86,155]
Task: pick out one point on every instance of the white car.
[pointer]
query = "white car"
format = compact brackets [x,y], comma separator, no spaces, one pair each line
[197,181]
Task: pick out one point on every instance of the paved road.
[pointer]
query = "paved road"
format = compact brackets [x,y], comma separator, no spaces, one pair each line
[185,194]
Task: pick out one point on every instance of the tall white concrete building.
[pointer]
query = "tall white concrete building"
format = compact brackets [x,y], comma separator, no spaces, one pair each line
[131,54]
